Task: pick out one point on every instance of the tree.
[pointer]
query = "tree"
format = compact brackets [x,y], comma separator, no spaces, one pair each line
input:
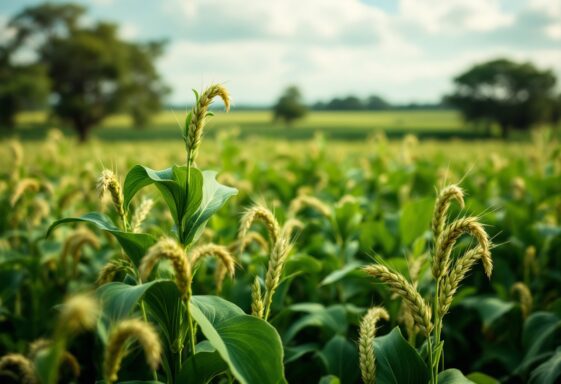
[93,72]
[21,86]
[513,95]
[376,103]
[290,106]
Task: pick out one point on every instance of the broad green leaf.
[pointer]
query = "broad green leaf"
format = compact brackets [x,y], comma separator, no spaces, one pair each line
[294,353]
[397,362]
[250,346]
[165,180]
[119,299]
[333,318]
[340,273]
[134,244]
[201,368]
[214,195]
[538,337]
[453,376]
[490,309]
[549,372]
[341,359]
[415,219]
[481,378]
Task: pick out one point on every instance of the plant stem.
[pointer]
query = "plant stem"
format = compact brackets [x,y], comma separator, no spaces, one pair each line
[145,317]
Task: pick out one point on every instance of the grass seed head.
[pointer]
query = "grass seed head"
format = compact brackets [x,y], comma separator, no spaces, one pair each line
[78,313]
[260,213]
[399,285]
[221,252]
[194,129]
[367,333]
[443,200]
[24,185]
[169,249]
[306,201]
[122,332]
[447,239]
[525,297]
[140,214]
[256,299]
[108,182]
[21,366]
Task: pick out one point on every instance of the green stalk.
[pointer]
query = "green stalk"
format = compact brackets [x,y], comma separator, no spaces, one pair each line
[145,317]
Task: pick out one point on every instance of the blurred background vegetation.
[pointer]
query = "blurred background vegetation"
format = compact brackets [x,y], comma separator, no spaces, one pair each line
[79,74]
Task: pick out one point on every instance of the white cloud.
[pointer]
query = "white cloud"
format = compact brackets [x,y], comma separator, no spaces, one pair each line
[552,10]
[456,16]
[6,33]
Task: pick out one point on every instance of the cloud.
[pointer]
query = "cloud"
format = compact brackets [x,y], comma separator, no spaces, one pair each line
[551,9]
[455,16]
[128,31]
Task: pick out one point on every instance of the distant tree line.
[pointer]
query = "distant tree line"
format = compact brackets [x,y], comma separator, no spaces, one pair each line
[80,73]
[371,103]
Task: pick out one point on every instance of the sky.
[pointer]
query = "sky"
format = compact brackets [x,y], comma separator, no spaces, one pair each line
[404,50]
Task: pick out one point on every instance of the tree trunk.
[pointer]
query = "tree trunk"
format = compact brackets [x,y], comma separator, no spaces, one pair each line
[504,130]
[82,129]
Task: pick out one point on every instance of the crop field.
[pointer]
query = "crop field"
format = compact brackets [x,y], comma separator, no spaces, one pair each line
[247,258]
[346,126]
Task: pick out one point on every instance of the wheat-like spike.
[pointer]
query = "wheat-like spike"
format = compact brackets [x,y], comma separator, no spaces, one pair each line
[21,365]
[221,252]
[366,343]
[17,152]
[73,246]
[169,249]
[78,313]
[140,214]
[529,263]
[258,212]
[525,297]
[108,182]
[443,200]
[250,237]
[291,225]
[107,273]
[399,285]
[146,336]
[451,282]
[219,276]
[447,239]
[306,201]
[27,184]
[256,299]
[277,260]
[199,113]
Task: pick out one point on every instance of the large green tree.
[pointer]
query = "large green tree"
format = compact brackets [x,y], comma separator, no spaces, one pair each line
[93,72]
[512,95]
[290,106]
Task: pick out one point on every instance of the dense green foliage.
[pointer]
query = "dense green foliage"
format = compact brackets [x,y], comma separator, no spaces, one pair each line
[514,95]
[376,201]
[88,71]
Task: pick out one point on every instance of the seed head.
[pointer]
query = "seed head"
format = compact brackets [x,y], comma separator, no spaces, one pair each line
[108,182]
[221,252]
[366,343]
[258,212]
[142,332]
[525,297]
[169,249]
[21,366]
[256,299]
[78,313]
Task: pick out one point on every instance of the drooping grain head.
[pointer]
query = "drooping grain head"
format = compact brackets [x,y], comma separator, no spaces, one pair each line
[451,281]
[399,285]
[75,242]
[221,252]
[259,213]
[446,241]
[443,200]
[525,297]
[169,249]
[21,366]
[194,129]
[291,226]
[306,201]
[367,333]
[24,185]
[78,313]
[140,214]
[122,332]
[108,182]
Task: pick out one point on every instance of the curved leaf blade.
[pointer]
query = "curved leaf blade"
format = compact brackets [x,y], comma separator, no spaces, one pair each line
[250,346]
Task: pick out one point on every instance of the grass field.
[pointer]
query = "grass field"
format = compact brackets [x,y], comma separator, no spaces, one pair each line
[335,125]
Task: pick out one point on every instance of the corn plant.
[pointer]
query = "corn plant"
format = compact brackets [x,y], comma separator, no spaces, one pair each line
[201,337]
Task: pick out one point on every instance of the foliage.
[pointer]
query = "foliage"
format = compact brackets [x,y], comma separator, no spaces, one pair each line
[513,95]
[290,106]
[92,72]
